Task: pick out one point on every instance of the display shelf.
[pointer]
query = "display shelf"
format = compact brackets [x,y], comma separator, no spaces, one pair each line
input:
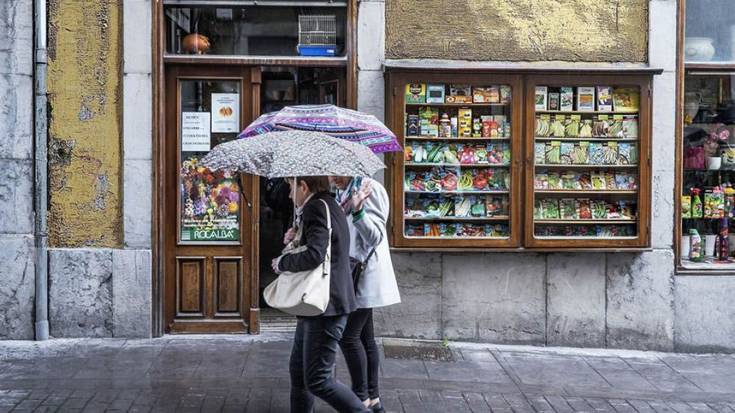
[692,218]
[584,166]
[457,105]
[587,238]
[448,218]
[586,192]
[454,138]
[468,192]
[584,221]
[595,139]
[464,165]
[576,112]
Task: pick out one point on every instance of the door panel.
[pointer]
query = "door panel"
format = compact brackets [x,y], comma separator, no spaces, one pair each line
[208,214]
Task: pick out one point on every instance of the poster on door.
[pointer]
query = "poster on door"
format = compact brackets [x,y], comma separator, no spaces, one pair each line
[210,204]
[225,113]
[195,136]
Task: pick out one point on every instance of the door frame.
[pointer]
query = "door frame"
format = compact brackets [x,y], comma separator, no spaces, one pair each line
[249,223]
[160,61]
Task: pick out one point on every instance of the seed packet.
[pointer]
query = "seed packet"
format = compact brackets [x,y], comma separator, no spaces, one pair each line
[567,209]
[627,210]
[477,206]
[569,181]
[581,155]
[566,151]
[540,97]
[505,94]
[539,153]
[585,99]
[626,181]
[624,153]
[554,180]
[538,210]
[686,206]
[462,206]
[616,127]
[554,101]
[414,207]
[447,230]
[585,130]
[551,208]
[583,209]
[412,125]
[553,153]
[413,230]
[598,181]
[599,209]
[597,153]
[613,210]
[495,205]
[429,121]
[541,181]
[630,127]
[611,153]
[610,180]
[626,99]
[566,98]
[584,181]
[604,99]
[631,152]
[431,207]
[601,127]
[415,93]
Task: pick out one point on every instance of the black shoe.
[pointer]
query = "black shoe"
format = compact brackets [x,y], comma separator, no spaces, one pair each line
[377,408]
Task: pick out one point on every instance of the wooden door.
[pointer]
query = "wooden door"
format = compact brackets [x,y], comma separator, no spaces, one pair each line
[210,220]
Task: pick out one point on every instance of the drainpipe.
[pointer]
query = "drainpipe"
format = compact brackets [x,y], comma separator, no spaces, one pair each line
[41,173]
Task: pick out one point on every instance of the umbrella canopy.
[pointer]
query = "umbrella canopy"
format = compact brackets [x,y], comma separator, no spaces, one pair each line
[294,153]
[329,119]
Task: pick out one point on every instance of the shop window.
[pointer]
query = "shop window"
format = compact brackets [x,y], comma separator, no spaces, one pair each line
[256,30]
[706,180]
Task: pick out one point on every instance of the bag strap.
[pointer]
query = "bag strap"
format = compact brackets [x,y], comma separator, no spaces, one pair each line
[329,218]
[328,255]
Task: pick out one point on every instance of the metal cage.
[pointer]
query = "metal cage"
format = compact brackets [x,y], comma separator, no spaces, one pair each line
[317,35]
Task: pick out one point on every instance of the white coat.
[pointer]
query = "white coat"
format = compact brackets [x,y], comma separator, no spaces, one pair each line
[377,287]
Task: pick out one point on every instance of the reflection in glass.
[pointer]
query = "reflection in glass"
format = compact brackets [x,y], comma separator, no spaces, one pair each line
[710,31]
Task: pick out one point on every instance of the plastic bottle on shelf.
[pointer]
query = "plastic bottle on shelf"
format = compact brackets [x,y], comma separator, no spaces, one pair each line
[445,126]
[695,248]
[697,207]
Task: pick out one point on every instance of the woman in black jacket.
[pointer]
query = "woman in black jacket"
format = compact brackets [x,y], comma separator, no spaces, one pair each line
[317,338]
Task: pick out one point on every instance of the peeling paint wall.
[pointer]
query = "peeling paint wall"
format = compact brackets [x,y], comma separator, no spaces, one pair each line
[518,30]
[84,81]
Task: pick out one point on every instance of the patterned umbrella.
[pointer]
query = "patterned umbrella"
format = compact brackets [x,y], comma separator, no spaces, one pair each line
[293,153]
[329,119]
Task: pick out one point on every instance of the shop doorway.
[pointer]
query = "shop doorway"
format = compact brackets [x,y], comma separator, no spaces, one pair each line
[283,86]
[222,231]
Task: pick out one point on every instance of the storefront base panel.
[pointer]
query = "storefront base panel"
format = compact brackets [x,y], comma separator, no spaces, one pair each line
[704,314]
[17,287]
[99,293]
[620,300]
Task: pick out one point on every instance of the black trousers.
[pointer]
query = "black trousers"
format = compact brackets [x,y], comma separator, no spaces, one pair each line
[312,365]
[361,353]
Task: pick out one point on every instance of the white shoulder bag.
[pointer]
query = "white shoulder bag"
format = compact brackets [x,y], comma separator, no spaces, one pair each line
[303,293]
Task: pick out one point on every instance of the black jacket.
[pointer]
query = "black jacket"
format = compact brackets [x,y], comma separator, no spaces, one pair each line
[314,236]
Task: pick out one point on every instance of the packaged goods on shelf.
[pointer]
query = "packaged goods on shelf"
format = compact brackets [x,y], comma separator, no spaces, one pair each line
[566,152]
[539,153]
[429,121]
[626,99]
[465,122]
[585,99]
[554,101]
[459,94]
[490,94]
[566,98]
[583,208]
[567,209]
[610,153]
[505,94]
[630,127]
[540,97]
[435,94]
[627,153]
[412,125]
[416,93]
[553,153]
[604,99]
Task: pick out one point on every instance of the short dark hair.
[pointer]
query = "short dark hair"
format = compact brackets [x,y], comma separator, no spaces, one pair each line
[316,184]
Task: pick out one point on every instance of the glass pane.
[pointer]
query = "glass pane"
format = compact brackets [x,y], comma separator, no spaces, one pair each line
[710,31]
[256,31]
[708,196]
[457,161]
[210,201]
[586,162]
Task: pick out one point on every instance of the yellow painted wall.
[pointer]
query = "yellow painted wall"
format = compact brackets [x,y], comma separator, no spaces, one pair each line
[518,30]
[85,129]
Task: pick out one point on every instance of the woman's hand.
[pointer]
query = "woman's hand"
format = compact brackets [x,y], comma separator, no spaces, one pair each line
[289,236]
[360,196]
[274,265]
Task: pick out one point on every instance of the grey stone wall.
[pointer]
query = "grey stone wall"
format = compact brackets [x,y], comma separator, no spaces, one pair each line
[16,170]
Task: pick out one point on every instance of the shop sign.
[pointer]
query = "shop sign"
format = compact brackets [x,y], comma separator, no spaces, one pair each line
[195,136]
[225,113]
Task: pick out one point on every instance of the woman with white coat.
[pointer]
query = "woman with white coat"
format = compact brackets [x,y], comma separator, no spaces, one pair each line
[366,203]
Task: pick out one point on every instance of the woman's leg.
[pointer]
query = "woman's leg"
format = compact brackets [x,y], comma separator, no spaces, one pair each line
[301,399]
[373,356]
[354,352]
[321,339]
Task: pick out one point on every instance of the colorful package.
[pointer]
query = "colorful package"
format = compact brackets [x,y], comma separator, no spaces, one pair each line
[567,209]
[597,153]
[583,209]
[566,152]
[551,208]
[539,153]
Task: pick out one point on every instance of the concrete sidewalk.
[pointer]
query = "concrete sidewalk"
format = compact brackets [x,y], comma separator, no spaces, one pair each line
[250,373]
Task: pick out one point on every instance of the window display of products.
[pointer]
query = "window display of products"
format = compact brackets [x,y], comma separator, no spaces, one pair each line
[458,176]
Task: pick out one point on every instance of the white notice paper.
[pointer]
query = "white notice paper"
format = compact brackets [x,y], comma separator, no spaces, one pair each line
[225,112]
[195,135]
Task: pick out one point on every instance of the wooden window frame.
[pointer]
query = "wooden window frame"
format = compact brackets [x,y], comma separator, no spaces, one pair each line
[681,70]
[522,154]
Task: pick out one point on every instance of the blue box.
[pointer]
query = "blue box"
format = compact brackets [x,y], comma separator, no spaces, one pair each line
[317,50]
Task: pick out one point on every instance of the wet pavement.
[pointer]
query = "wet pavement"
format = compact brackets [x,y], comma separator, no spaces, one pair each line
[250,374]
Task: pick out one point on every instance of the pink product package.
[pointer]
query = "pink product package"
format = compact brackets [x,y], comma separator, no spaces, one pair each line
[694,157]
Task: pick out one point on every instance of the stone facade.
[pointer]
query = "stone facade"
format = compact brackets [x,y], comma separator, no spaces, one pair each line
[16,170]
